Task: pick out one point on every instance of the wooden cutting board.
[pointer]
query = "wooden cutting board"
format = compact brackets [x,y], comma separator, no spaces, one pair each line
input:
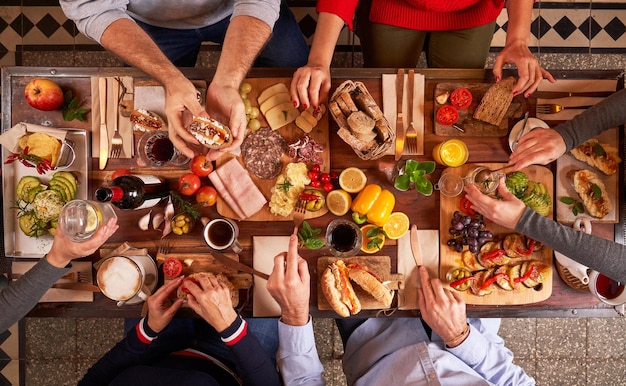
[289,132]
[205,262]
[380,265]
[449,258]
[474,127]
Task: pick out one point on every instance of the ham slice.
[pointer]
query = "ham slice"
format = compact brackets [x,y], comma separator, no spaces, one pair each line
[236,187]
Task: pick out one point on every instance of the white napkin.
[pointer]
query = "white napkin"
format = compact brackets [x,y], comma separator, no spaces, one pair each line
[573,85]
[58,294]
[113,115]
[11,137]
[429,243]
[390,107]
[264,249]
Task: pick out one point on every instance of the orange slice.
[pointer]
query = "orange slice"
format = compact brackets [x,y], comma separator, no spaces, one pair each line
[369,244]
[397,225]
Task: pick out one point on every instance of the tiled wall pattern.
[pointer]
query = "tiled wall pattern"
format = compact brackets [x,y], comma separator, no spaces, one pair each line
[568,26]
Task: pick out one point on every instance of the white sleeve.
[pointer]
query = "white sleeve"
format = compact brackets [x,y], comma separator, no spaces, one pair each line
[297,357]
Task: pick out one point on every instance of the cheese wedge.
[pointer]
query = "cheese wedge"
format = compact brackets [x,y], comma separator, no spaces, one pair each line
[281,115]
[274,100]
[268,92]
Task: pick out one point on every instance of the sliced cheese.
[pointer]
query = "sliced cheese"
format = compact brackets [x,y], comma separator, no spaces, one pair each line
[268,92]
[304,124]
[309,117]
[274,100]
[281,115]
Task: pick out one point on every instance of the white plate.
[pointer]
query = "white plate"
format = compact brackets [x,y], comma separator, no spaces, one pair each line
[532,124]
[16,243]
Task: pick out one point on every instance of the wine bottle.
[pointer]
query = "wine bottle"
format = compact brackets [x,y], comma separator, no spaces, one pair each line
[133,191]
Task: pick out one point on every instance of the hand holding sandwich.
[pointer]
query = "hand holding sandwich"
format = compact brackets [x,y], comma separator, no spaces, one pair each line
[161,310]
[211,299]
[290,285]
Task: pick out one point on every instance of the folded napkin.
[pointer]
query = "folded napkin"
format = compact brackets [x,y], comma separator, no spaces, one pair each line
[57,294]
[125,249]
[429,244]
[11,137]
[264,249]
[574,86]
[113,115]
[390,108]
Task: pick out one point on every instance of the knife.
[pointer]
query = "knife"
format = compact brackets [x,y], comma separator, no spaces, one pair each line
[227,261]
[521,131]
[415,246]
[104,135]
[399,123]
[77,286]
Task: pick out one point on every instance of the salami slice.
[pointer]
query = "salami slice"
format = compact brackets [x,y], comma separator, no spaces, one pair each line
[261,152]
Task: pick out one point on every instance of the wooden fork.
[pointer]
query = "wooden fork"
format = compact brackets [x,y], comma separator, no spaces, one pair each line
[299,211]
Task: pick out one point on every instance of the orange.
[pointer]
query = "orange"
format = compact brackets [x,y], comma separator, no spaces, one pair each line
[338,202]
[397,225]
[352,180]
[375,247]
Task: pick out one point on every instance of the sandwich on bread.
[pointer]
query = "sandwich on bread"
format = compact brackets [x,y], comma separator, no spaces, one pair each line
[601,156]
[182,291]
[144,120]
[210,132]
[592,192]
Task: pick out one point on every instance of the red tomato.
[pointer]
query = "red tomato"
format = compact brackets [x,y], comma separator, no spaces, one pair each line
[328,187]
[325,178]
[188,184]
[201,166]
[120,172]
[194,281]
[461,98]
[314,176]
[315,168]
[316,183]
[466,206]
[447,115]
[206,196]
[172,267]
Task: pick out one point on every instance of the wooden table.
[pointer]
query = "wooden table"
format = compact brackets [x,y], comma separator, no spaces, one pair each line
[424,211]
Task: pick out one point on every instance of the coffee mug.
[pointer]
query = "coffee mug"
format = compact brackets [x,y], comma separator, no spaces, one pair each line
[606,289]
[221,234]
[121,278]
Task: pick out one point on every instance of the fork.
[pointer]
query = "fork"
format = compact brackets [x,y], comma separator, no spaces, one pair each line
[117,144]
[299,211]
[553,108]
[411,133]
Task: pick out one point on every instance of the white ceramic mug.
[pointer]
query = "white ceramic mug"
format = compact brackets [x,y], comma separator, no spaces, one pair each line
[606,289]
[221,234]
[121,278]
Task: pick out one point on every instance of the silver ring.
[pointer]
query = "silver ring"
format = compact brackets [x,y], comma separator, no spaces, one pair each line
[198,95]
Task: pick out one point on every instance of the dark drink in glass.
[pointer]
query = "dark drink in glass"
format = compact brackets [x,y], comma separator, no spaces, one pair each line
[343,238]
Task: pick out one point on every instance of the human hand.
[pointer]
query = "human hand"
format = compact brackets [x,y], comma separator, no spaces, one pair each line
[161,310]
[505,212]
[64,250]
[290,285]
[443,310]
[181,97]
[530,73]
[224,103]
[211,300]
[539,146]
[310,86]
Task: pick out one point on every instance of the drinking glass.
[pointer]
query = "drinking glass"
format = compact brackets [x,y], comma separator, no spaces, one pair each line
[343,238]
[81,219]
[155,149]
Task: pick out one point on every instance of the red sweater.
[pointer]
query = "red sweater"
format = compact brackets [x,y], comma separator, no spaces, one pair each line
[423,15]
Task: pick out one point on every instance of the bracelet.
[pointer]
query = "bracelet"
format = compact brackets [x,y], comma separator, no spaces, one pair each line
[457,340]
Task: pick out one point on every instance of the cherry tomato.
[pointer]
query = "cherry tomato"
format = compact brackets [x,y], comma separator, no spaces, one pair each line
[188,184]
[328,187]
[447,115]
[325,178]
[466,206]
[314,176]
[206,196]
[334,175]
[316,183]
[461,98]
[201,166]
[172,267]
[120,172]
[315,168]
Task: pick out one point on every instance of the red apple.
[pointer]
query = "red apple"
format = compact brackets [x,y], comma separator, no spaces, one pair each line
[43,94]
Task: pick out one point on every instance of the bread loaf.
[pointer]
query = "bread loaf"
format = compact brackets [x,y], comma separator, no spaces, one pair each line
[346,104]
[496,101]
[354,142]
[361,123]
[365,103]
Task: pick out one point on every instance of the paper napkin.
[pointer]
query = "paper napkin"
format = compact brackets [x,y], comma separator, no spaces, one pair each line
[390,108]
[264,249]
[573,85]
[57,294]
[429,243]
[113,115]
[11,137]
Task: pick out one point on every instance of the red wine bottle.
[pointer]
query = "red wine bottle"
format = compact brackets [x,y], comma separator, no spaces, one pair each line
[134,191]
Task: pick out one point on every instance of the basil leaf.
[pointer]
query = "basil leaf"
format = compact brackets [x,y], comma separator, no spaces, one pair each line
[375,231]
[598,149]
[578,208]
[314,243]
[567,200]
[597,192]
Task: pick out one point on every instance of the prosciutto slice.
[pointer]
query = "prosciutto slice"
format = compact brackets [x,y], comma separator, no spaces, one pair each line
[235,186]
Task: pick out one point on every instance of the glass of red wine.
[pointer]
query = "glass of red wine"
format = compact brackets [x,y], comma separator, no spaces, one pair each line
[155,149]
[343,238]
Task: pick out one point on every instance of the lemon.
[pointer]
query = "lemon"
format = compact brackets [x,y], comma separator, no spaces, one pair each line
[94,217]
[352,180]
[338,202]
[397,225]
[368,245]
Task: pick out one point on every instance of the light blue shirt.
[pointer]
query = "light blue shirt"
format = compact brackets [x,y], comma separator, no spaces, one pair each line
[397,351]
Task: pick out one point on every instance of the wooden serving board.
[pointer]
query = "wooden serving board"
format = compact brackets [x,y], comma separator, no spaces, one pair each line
[380,265]
[450,258]
[205,262]
[474,127]
[289,132]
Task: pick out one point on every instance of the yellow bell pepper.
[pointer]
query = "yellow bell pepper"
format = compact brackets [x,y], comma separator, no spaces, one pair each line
[373,204]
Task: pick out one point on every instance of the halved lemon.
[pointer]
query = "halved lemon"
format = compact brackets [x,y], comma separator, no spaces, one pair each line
[338,202]
[352,180]
[397,225]
[94,217]
[374,243]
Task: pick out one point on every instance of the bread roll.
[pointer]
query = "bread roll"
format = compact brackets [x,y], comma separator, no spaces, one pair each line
[354,142]
[360,123]
[144,120]
[367,104]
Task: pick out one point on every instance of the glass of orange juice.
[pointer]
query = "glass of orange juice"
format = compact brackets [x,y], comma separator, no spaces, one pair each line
[452,152]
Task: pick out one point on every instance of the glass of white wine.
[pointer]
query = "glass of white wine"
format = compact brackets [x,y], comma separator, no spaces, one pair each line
[81,219]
